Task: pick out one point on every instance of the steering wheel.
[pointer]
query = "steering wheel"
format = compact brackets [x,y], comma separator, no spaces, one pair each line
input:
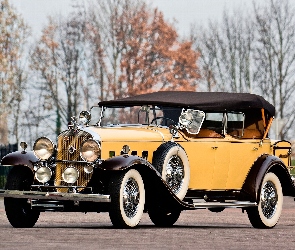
[163,118]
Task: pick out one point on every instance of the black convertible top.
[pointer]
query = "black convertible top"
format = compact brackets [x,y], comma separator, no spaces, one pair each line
[206,101]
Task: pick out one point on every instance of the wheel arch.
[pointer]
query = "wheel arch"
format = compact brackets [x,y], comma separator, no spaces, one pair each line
[25,171]
[282,173]
[264,164]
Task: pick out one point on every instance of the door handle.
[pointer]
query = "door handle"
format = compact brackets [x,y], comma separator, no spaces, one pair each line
[215,147]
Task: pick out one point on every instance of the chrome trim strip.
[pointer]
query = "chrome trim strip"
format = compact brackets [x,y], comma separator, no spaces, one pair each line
[68,161]
[47,206]
[69,187]
[79,162]
[37,195]
[228,204]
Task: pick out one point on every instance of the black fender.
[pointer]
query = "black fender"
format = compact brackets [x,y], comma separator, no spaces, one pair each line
[122,162]
[267,163]
[157,190]
[20,158]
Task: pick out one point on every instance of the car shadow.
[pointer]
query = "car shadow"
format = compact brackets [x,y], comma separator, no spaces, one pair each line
[140,227]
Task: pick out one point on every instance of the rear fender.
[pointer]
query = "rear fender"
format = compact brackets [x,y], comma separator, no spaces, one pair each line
[19,158]
[267,163]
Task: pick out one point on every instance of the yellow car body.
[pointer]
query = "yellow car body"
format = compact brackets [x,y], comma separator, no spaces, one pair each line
[215,163]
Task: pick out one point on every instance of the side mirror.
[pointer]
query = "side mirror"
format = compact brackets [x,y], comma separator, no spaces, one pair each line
[85,117]
[191,120]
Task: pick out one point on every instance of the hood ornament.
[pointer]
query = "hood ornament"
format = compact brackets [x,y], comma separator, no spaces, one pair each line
[73,125]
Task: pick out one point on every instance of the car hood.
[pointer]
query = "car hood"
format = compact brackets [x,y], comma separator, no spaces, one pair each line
[130,133]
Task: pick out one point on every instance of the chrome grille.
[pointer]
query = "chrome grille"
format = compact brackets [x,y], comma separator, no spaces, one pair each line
[68,149]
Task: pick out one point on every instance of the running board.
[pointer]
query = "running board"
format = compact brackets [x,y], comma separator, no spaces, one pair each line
[227,204]
[37,195]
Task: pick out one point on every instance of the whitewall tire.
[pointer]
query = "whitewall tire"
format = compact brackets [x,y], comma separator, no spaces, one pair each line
[127,199]
[268,211]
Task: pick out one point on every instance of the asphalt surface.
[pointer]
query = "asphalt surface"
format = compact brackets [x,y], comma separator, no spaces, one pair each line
[199,229]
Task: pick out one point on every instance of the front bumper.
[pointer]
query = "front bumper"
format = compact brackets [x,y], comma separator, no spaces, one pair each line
[37,195]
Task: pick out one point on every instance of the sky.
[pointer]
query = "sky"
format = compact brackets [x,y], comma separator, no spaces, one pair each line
[185,12]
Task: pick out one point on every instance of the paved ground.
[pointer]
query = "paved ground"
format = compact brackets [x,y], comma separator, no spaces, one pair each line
[199,229]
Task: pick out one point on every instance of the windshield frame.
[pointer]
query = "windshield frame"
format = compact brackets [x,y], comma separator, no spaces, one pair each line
[150,114]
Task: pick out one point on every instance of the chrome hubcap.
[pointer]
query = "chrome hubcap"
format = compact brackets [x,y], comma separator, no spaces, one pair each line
[131,197]
[269,199]
[175,173]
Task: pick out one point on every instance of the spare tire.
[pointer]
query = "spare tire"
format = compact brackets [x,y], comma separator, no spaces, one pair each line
[172,163]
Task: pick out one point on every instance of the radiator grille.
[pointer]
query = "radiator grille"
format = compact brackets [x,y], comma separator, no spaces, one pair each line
[68,149]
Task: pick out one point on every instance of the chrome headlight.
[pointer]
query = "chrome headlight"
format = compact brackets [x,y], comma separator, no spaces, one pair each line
[70,175]
[43,148]
[90,150]
[43,174]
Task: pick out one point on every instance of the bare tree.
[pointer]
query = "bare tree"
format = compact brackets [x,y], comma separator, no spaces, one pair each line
[253,53]
[13,36]
[275,58]
[58,59]
[226,53]
[205,42]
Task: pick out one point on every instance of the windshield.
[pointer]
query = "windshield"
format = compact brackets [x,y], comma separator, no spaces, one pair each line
[140,115]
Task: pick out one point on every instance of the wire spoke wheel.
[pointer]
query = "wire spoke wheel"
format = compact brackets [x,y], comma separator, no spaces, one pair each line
[269,199]
[131,197]
[175,173]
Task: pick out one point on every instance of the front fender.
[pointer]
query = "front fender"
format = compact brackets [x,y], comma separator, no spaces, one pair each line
[123,162]
[19,158]
[157,190]
[262,165]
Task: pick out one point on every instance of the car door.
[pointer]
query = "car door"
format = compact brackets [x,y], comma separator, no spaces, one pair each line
[243,153]
[208,155]
[221,164]
[245,134]
[201,155]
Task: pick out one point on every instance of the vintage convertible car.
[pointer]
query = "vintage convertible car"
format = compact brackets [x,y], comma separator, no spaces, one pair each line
[159,153]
